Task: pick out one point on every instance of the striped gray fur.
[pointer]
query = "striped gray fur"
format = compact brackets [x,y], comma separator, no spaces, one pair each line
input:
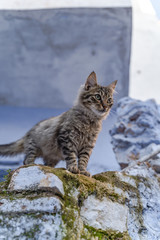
[71,135]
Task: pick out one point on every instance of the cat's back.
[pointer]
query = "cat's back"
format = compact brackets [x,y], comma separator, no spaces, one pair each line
[44,128]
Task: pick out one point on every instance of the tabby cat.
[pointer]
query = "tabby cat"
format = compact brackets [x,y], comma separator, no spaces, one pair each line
[71,135]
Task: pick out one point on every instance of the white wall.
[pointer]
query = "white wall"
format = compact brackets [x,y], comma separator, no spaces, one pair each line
[145,59]
[41,4]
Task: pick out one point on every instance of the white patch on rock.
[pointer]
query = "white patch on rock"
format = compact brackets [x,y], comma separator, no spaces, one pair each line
[126,179]
[41,204]
[33,179]
[74,193]
[119,191]
[104,214]
[25,227]
[139,170]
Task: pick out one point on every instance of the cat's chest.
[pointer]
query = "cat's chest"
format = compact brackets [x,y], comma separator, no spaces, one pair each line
[80,130]
[86,133]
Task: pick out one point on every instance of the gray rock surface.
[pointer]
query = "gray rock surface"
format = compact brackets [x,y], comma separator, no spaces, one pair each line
[143,221]
[34,179]
[29,226]
[31,209]
[136,133]
[111,205]
[45,55]
[42,204]
[94,212]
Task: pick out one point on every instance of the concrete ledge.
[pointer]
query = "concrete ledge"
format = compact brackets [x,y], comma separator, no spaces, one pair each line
[41,4]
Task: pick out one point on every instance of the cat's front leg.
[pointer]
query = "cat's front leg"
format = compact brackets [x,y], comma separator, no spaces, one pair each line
[83,158]
[71,160]
[71,163]
[68,152]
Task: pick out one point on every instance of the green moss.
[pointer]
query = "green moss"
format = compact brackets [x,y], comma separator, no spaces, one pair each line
[90,232]
[8,195]
[139,208]
[113,179]
[31,233]
[70,218]
[86,186]
[5,183]
[101,185]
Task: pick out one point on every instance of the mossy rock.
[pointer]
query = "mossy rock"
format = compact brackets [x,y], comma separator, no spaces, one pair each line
[77,189]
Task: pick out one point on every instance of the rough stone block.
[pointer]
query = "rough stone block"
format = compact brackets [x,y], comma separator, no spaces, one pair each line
[41,204]
[111,205]
[34,179]
[104,214]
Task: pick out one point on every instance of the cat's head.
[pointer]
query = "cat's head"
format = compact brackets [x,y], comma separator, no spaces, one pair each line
[97,98]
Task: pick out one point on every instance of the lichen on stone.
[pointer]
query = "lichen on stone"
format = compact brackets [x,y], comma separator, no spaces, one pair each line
[111,205]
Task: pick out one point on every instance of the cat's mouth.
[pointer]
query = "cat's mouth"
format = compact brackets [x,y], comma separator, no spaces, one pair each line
[100,112]
[104,110]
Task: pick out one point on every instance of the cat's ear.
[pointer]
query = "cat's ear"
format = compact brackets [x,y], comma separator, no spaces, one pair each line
[91,81]
[113,85]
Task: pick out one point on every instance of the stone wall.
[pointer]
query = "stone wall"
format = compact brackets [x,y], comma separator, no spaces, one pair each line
[38,202]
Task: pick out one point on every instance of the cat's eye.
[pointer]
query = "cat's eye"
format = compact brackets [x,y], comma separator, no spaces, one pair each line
[109,101]
[98,97]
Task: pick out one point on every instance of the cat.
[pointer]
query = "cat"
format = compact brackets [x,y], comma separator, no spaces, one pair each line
[71,135]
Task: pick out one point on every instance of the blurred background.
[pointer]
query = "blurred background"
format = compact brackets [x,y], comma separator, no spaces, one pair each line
[48,48]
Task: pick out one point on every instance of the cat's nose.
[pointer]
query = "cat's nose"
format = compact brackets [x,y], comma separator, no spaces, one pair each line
[105,106]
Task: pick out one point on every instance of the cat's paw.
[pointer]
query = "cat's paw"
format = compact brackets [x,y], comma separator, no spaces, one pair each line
[86,173]
[73,169]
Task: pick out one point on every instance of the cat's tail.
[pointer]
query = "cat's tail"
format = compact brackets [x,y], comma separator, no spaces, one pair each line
[13,148]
